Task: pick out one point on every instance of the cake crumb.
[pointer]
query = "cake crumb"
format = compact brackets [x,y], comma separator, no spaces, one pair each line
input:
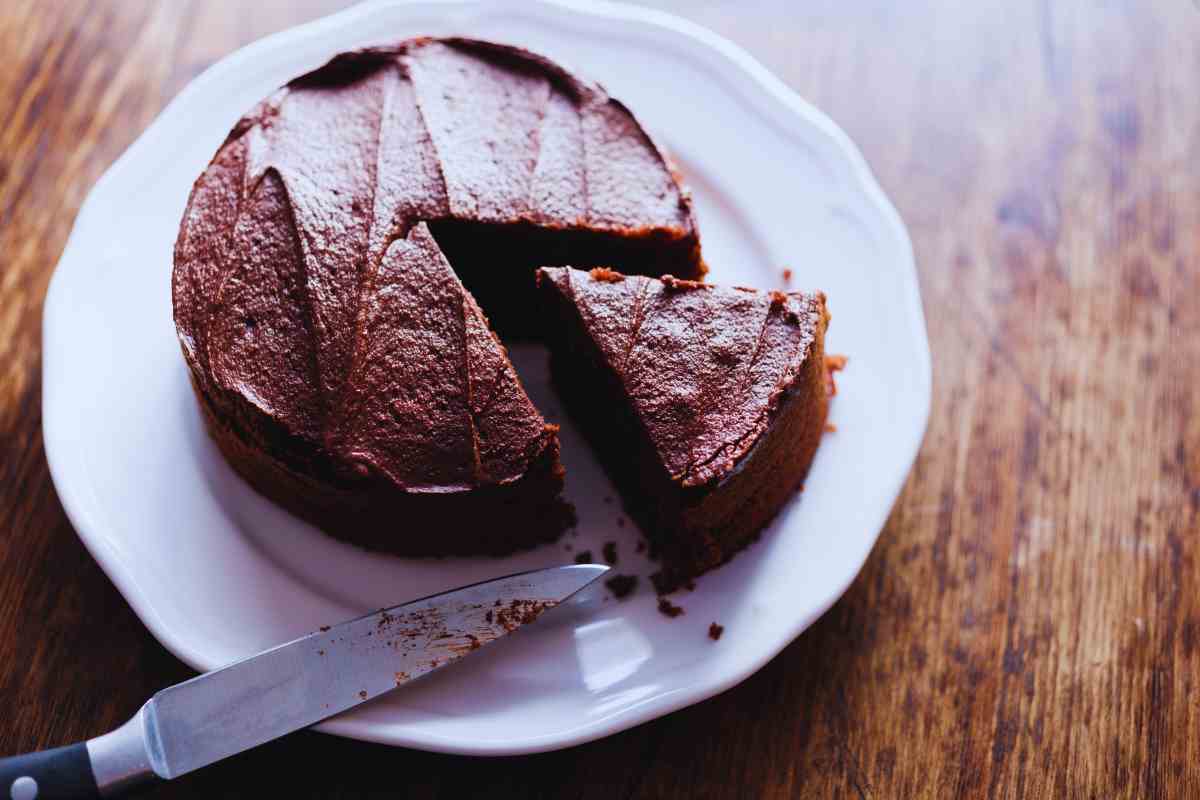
[787,275]
[363,694]
[622,585]
[668,608]
[606,275]
[610,553]
[324,628]
[830,427]
[715,631]
[583,557]
[833,363]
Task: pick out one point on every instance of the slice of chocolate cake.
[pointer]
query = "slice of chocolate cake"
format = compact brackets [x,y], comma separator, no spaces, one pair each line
[706,404]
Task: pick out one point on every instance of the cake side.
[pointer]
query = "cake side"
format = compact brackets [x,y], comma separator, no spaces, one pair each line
[494,520]
[718,524]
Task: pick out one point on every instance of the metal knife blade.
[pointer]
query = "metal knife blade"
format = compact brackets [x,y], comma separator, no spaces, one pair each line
[297,684]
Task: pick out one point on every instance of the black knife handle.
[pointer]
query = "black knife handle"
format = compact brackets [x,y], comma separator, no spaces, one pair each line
[64,773]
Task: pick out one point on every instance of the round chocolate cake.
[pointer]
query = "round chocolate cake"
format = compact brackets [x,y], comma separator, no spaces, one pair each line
[336,260]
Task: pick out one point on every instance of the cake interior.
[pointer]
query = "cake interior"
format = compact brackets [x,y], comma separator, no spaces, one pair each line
[496,263]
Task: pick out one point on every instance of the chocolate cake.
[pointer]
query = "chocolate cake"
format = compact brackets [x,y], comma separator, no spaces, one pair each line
[705,404]
[333,260]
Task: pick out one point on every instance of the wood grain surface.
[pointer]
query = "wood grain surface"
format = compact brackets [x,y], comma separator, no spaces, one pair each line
[1028,624]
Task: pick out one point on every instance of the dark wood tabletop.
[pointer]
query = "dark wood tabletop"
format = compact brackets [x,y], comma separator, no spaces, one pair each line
[1028,624]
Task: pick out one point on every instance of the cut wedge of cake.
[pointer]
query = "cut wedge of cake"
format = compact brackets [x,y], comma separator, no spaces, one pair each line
[704,403]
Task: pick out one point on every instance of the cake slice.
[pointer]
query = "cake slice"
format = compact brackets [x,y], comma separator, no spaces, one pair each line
[704,403]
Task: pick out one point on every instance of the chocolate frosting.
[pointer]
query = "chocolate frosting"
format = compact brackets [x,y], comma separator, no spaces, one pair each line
[704,367]
[306,286]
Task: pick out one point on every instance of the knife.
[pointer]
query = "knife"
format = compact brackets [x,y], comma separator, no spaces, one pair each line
[289,687]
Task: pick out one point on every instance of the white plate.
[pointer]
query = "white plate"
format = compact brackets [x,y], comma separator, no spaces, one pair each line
[217,573]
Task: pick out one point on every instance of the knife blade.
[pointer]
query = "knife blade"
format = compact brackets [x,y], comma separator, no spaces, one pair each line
[292,686]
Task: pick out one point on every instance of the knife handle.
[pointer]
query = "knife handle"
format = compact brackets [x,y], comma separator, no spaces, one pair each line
[64,773]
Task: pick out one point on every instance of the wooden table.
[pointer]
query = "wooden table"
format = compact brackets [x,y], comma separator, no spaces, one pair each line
[1028,624]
